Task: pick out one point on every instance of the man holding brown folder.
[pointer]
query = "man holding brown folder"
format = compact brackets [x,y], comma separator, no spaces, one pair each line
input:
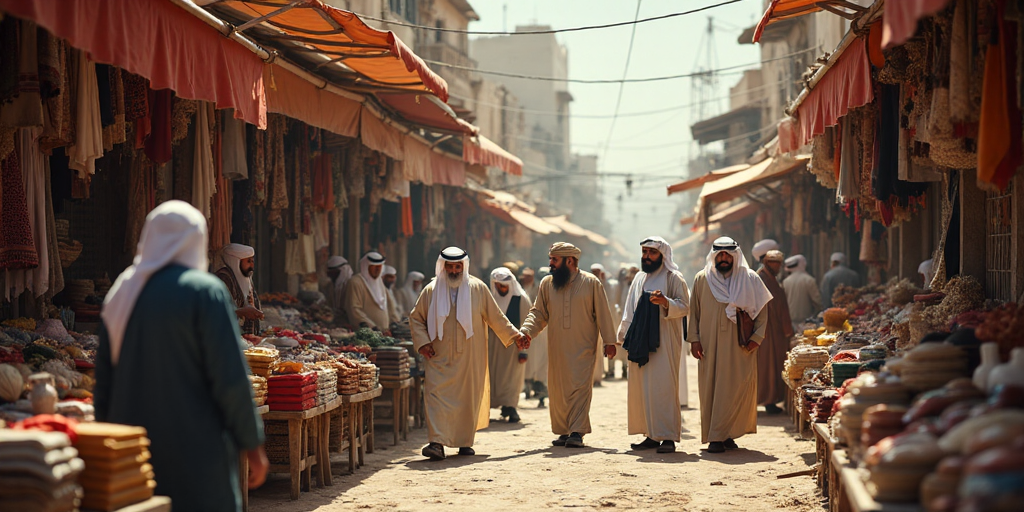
[728,321]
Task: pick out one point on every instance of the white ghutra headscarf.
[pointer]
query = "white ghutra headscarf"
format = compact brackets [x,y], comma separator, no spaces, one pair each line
[662,245]
[175,233]
[504,276]
[232,255]
[743,289]
[376,286]
[441,302]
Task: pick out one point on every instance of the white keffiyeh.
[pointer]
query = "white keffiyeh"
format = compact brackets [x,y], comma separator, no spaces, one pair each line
[743,289]
[441,302]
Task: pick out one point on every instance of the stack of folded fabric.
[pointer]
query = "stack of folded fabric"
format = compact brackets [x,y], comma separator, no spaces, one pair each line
[38,471]
[262,360]
[393,363]
[369,374]
[326,385]
[296,392]
[348,376]
[116,470]
[259,389]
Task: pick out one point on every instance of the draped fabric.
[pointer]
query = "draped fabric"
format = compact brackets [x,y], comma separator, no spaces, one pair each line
[643,336]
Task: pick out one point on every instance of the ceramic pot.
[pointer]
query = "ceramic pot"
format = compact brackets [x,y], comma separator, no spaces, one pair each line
[44,393]
[1008,374]
[989,360]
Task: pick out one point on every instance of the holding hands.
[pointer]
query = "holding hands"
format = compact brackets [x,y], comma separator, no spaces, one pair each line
[522,341]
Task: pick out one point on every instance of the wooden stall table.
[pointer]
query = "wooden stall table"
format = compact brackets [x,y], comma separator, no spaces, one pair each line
[399,405]
[860,501]
[824,445]
[154,504]
[309,428]
[243,466]
[360,439]
[837,500]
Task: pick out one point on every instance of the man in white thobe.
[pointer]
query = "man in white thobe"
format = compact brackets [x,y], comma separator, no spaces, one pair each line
[837,276]
[727,371]
[409,292]
[652,334]
[572,303]
[389,276]
[339,271]
[506,365]
[802,292]
[366,297]
[449,328]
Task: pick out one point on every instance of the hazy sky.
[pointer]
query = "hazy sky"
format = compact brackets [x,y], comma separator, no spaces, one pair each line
[657,145]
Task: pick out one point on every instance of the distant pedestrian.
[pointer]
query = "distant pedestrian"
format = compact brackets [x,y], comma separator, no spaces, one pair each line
[802,292]
[507,365]
[837,276]
[727,371]
[409,292]
[771,354]
[761,248]
[366,297]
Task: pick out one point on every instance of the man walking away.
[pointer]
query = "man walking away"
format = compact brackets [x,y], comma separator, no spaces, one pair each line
[652,334]
[771,355]
[802,292]
[839,274]
[727,372]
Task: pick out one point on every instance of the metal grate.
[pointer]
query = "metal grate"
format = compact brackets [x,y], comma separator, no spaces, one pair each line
[998,245]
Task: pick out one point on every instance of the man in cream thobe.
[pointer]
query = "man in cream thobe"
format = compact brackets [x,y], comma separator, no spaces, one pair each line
[449,328]
[802,292]
[339,272]
[389,276]
[727,373]
[573,306]
[537,363]
[409,292]
[653,405]
[366,297]
[505,364]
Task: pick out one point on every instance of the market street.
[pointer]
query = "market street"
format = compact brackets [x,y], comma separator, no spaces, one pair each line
[516,467]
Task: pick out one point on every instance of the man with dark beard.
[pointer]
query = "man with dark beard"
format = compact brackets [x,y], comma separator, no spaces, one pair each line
[652,334]
[573,304]
[772,353]
[239,265]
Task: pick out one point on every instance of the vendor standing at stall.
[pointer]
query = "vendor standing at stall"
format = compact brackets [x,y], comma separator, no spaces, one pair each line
[366,297]
[236,272]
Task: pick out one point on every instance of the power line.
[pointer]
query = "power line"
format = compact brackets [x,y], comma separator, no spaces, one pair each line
[548,31]
[622,86]
[614,81]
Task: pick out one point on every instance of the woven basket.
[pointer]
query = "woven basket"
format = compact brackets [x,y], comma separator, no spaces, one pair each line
[69,252]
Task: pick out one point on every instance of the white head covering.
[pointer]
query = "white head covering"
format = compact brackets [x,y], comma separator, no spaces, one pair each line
[389,271]
[838,257]
[926,268]
[344,271]
[598,266]
[441,302]
[665,248]
[744,289]
[761,248]
[232,256]
[175,232]
[413,276]
[504,276]
[796,263]
[336,261]
[376,286]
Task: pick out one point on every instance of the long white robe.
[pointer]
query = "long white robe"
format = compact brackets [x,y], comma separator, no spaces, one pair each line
[609,293]
[803,297]
[653,404]
[575,316]
[506,372]
[406,299]
[728,374]
[360,306]
[456,388]
[537,359]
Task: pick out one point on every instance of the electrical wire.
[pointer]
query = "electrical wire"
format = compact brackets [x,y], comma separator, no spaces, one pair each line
[615,81]
[622,86]
[549,31]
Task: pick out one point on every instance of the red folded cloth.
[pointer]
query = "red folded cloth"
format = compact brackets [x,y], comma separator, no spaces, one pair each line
[292,390]
[300,406]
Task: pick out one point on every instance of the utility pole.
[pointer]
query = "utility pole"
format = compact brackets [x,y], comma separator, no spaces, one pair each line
[703,89]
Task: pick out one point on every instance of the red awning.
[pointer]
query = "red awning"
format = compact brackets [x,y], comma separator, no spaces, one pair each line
[845,86]
[159,41]
[715,175]
[294,97]
[378,57]
[736,185]
[482,151]
[380,136]
[426,110]
[779,10]
[899,19]
[447,171]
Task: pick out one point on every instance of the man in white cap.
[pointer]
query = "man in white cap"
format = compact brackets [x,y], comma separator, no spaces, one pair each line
[236,272]
[340,272]
[771,354]
[651,333]
[389,277]
[169,331]
[450,328]
[573,305]
[506,365]
[409,292]
[727,371]
[761,248]
[839,274]
[609,288]
[802,292]
[366,297]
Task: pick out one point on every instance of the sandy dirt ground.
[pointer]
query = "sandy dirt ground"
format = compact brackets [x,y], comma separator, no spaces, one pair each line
[517,468]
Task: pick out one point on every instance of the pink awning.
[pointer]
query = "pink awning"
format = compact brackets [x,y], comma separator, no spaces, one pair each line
[292,96]
[160,41]
[380,136]
[416,164]
[846,85]
[447,171]
[899,19]
[426,110]
[482,151]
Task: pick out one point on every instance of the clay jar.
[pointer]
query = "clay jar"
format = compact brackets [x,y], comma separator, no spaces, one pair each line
[1008,374]
[44,393]
[989,361]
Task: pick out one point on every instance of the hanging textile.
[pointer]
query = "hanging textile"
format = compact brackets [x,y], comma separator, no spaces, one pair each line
[182,113]
[9,67]
[56,277]
[26,107]
[234,158]
[88,143]
[35,280]
[278,181]
[321,230]
[158,143]
[323,182]
[17,247]
[56,89]
[355,171]
[999,133]
[300,256]
[407,227]
[242,221]
[256,139]
[116,132]
[141,197]
[849,164]
[204,176]
[338,178]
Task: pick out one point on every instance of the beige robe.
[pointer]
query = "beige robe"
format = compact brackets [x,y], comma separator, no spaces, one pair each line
[406,300]
[575,316]
[360,306]
[727,376]
[394,313]
[537,360]
[507,373]
[456,388]
[599,368]
[653,390]
[803,297]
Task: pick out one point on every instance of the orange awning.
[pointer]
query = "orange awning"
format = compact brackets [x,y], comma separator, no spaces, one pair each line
[426,110]
[734,186]
[573,229]
[779,10]
[327,38]
[715,175]
[738,211]
[482,151]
